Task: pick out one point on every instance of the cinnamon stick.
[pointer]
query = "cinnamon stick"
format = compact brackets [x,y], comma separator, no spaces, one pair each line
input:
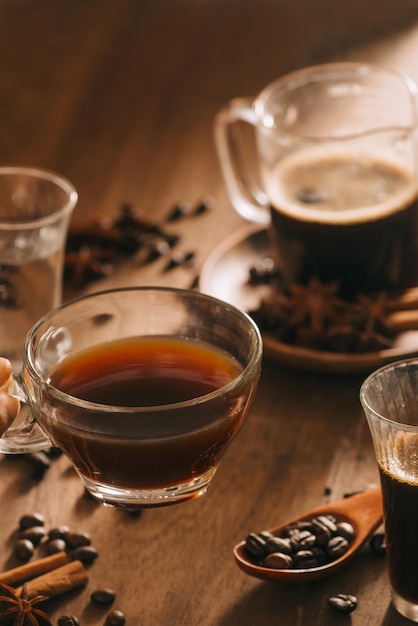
[403,301]
[400,321]
[57,581]
[33,569]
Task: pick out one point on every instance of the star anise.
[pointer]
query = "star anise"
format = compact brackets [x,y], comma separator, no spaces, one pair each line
[19,610]
[314,304]
[371,311]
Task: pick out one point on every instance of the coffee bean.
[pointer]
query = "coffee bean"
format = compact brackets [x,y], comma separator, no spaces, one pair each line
[205,205]
[68,620]
[115,618]
[303,539]
[255,545]
[278,560]
[24,549]
[35,534]
[179,259]
[179,210]
[103,596]
[53,452]
[31,519]
[55,545]
[337,546]
[305,559]
[158,249]
[85,554]
[310,542]
[346,530]
[278,544]
[59,532]
[343,602]
[295,527]
[378,544]
[322,532]
[265,534]
[75,540]
[320,555]
[329,522]
[39,462]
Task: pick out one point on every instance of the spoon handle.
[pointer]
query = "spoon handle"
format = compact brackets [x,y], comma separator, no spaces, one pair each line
[364,509]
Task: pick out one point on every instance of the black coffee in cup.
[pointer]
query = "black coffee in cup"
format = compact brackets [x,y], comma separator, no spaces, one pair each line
[351,218]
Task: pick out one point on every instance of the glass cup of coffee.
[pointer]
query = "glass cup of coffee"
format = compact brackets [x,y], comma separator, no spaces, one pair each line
[389,399]
[325,158]
[142,388]
[35,209]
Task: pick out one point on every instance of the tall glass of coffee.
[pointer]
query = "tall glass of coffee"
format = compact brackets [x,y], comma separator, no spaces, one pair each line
[332,173]
[389,399]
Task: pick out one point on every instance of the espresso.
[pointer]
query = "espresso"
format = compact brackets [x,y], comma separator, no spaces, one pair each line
[344,218]
[400,497]
[144,448]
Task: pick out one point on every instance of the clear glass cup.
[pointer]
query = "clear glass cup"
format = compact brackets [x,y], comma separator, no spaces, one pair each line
[328,166]
[142,388]
[389,398]
[35,209]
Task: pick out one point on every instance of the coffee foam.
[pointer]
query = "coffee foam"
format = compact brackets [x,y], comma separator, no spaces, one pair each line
[349,179]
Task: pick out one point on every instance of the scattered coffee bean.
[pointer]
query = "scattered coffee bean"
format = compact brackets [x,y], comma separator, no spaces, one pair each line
[85,554]
[172,240]
[378,544]
[55,545]
[309,543]
[24,549]
[178,260]
[40,463]
[103,596]
[343,602]
[31,519]
[75,540]
[264,273]
[34,534]
[68,620]
[204,206]
[53,452]
[157,250]
[179,210]
[115,618]
[59,532]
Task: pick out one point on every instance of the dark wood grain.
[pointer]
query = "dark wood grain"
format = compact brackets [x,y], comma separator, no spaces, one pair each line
[120,96]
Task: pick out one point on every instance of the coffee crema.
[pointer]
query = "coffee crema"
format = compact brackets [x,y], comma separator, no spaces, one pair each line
[345,217]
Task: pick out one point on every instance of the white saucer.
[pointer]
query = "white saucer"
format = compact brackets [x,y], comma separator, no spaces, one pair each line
[225,275]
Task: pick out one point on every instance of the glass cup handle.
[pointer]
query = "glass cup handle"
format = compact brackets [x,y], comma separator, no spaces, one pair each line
[19,431]
[245,194]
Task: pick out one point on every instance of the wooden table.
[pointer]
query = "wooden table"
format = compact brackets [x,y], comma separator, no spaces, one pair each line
[120,96]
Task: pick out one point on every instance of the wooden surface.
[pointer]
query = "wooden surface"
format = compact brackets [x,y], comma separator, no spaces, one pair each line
[120,96]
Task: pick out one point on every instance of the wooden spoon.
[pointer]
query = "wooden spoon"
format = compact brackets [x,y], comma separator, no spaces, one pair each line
[364,511]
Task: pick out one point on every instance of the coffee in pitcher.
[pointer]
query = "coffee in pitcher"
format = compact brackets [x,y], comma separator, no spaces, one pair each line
[345,218]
